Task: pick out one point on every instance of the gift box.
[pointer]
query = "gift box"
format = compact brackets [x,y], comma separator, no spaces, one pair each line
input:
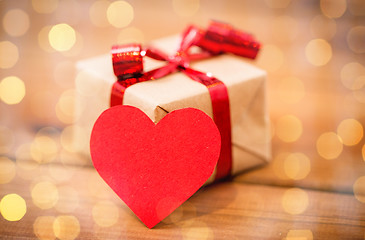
[245,83]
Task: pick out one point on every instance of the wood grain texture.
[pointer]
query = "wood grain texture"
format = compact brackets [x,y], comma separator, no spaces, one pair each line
[229,210]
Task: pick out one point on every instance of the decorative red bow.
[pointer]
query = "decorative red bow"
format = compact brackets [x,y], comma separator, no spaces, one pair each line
[218,38]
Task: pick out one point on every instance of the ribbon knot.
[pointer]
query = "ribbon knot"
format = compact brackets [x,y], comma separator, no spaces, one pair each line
[218,38]
[180,59]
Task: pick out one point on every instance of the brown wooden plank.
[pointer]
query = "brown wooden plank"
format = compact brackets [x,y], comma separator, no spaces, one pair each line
[221,211]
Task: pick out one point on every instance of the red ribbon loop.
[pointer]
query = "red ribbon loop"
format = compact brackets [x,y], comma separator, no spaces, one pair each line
[219,38]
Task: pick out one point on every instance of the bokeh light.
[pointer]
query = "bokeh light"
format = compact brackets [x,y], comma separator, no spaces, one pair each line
[105,213]
[44,149]
[353,76]
[197,230]
[16,22]
[295,201]
[13,207]
[65,108]
[363,152]
[130,34]
[43,227]
[185,8]
[7,170]
[299,234]
[329,145]
[62,37]
[291,90]
[333,9]
[9,54]
[120,14]
[44,6]
[356,39]
[323,27]
[66,227]
[288,128]
[297,166]
[97,13]
[351,131]
[318,52]
[43,40]
[12,90]
[44,194]
[359,189]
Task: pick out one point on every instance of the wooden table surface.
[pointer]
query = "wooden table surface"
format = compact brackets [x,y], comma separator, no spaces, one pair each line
[314,187]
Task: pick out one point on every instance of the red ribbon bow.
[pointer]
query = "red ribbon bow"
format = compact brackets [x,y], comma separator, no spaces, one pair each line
[218,38]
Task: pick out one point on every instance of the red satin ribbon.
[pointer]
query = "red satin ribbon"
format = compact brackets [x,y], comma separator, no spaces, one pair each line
[218,38]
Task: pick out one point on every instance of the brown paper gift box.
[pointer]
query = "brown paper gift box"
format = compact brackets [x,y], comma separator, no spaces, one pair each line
[246,86]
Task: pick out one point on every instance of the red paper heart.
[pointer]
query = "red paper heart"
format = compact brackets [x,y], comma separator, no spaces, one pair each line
[154,168]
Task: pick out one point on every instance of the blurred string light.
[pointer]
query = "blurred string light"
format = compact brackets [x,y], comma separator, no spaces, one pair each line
[66,227]
[43,40]
[288,128]
[356,39]
[13,207]
[291,90]
[98,13]
[62,37]
[44,6]
[353,76]
[16,22]
[295,166]
[7,170]
[318,52]
[329,145]
[65,108]
[44,149]
[359,189]
[295,201]
[277,3]
[44,194]
[130,34]
[186,8]
[323,27]
[120,14]
[43,227]
[6,139]
[12,90]
[333,9]
[351,131]
[271,58]
[299,234]
[105,213]
[9,54]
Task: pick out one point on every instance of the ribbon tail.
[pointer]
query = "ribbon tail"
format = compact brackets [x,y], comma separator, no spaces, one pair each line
[221,115]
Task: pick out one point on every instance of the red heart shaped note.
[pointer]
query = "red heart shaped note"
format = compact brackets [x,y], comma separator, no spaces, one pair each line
[154,168]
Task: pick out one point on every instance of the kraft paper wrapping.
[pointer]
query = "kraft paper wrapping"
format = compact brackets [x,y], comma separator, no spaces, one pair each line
[246,86]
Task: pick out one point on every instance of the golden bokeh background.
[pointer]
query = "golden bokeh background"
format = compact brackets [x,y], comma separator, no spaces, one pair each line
[313,51]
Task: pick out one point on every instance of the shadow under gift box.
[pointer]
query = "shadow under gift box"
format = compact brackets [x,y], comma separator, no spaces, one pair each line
[246,86]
